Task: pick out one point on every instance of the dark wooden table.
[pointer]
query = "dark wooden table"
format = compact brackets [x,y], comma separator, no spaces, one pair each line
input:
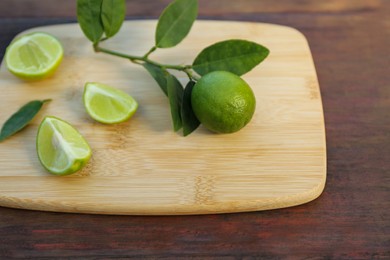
[350,41]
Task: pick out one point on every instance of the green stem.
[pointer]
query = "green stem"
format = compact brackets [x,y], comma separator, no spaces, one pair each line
[141,59]
[150,52]
[168,66]
[191,75]
[46,100]
[97,48]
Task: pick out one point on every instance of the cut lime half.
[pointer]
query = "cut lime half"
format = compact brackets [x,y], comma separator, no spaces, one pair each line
[34,56]
[61,148]
[108,105]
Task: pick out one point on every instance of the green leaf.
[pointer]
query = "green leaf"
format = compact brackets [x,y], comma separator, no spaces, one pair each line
[88,16]
[172,87]
[113,15]
[175,95]
[159,75]
[189,120]
[175,22]
[236,56]
[21,118]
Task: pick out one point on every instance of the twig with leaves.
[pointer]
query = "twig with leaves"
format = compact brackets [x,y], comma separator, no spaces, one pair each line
[100,20]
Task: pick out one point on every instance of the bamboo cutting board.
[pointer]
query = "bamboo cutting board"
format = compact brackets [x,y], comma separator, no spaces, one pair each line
[142,166]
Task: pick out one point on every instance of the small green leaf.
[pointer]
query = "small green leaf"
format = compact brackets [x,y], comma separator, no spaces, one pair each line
[113,15]
[88,16]
[236,56]
[159,75]
[175,95]
[175,22]
[21,118]
[189,120]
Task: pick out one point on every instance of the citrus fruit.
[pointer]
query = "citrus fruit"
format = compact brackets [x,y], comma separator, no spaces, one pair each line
[61,148]
[108,105]
[34,56]
[223,102]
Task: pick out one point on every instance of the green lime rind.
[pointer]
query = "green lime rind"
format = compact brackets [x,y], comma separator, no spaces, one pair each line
[61,149]
[108,105]
[34,56]
[223,102]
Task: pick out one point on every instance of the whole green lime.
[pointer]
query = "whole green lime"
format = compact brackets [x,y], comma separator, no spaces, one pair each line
[223,102]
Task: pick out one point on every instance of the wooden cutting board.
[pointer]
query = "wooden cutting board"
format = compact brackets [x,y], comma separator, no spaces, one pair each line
[142,166]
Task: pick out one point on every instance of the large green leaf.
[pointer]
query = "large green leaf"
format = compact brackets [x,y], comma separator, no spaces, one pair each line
[113,15]
[175,95]
[88,16]
[175,22]
[189,120]
[159,75]
[236,56]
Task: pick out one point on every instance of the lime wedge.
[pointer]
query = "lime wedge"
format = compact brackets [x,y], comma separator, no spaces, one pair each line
[108,105]
[61,148]
[34,56]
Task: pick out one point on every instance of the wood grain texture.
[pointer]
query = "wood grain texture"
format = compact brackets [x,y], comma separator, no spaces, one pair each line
[350,220]
[142,166]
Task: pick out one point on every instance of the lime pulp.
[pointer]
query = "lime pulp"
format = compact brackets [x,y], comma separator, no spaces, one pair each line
[34,56]
[108,105]
[61,149]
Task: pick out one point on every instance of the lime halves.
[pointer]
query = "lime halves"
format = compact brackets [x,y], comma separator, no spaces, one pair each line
[61,148]
[34,56]
[108,105]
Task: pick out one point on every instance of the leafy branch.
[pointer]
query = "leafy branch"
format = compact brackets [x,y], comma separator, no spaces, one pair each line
[140,60]
[102,19]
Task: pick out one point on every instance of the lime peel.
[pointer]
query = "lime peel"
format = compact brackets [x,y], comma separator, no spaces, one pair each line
[34,56]
[223,102]
[108,105]
[61,148]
